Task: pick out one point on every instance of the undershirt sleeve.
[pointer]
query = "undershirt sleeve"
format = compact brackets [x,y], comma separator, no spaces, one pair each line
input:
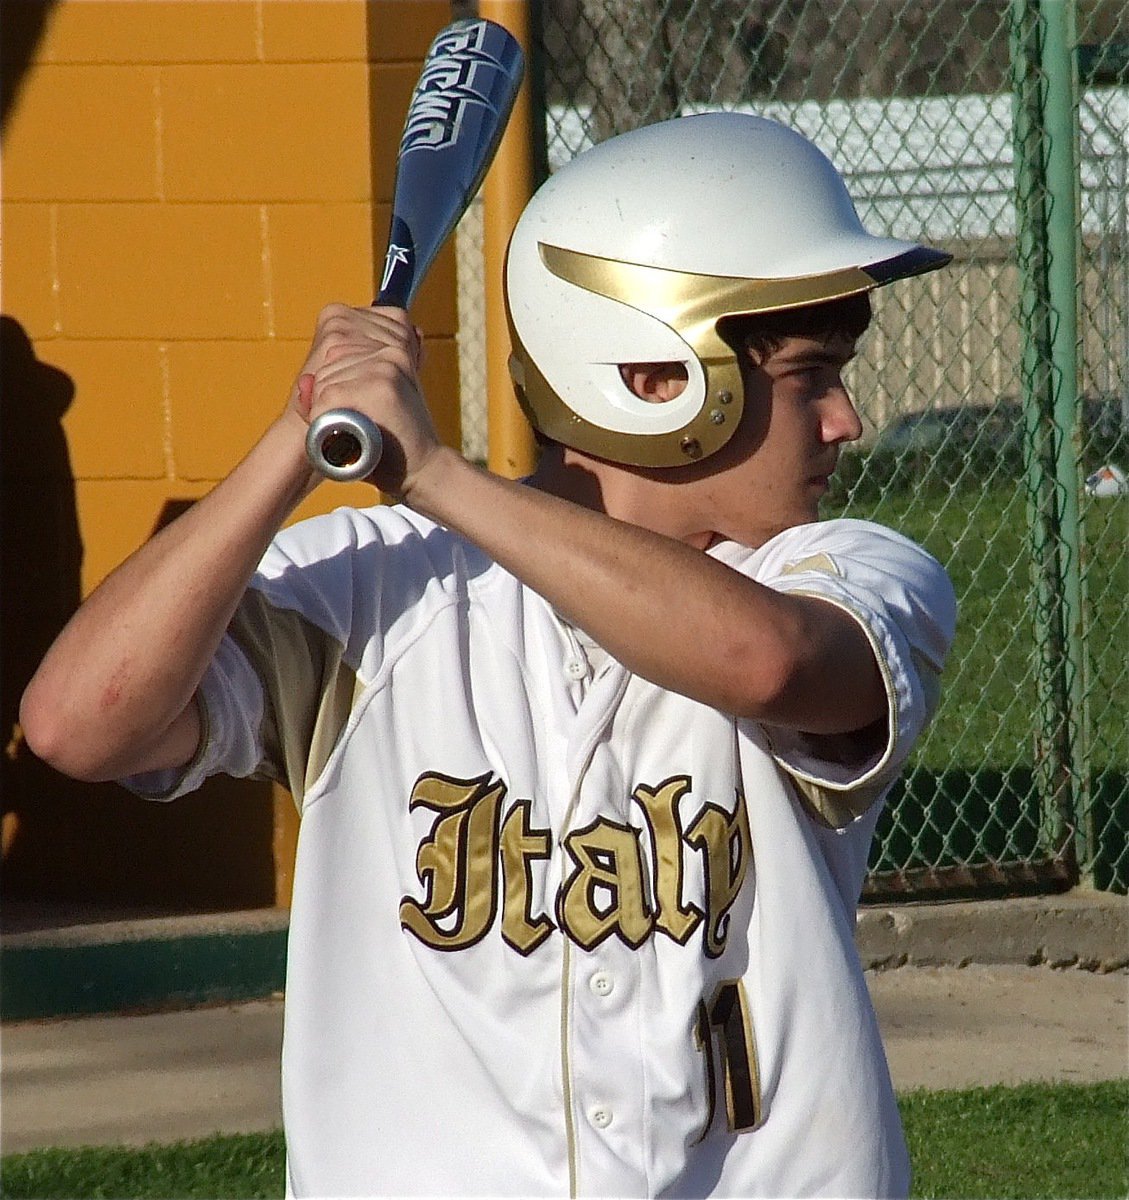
[277,698]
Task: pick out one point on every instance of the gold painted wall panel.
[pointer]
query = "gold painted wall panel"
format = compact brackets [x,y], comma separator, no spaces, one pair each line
[330,31]
[391,88]
[153,31]
[120,430]
[440,374]
[116,515]
[100,124]
[29,267]
[266,132]
[221,396]
[162,271]
[401,30]
[318,253]
[185,186]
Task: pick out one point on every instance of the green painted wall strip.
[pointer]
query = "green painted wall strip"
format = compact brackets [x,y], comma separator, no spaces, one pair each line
[57,981]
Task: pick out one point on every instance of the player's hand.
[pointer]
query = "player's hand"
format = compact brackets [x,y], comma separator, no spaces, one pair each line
[368,359]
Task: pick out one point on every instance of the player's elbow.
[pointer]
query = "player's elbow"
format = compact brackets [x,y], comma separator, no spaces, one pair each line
[52,738]
[759,680]
[37,724]
[819,675]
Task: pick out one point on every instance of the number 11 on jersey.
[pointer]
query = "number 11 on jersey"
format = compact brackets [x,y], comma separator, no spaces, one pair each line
[725,1020]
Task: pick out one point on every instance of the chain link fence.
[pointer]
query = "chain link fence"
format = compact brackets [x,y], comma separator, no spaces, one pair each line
[995,394]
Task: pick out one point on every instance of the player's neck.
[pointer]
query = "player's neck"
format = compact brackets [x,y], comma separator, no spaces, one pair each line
[605,487]
[564,473]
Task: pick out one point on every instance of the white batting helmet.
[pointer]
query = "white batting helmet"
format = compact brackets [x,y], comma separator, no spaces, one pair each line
[635,250]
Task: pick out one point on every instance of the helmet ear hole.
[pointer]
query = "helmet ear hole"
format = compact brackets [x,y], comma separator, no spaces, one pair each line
[655,382]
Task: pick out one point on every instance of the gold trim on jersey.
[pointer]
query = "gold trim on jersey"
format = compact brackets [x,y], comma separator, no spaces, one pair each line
[310,689]
[831,805]
[834,809]
[566,1069]
[814,562]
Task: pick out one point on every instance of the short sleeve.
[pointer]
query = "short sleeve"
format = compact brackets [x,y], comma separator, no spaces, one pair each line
[902,599]
[231,703]
[311,633]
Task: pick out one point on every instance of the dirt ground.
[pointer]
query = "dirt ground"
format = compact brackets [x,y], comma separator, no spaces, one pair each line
[949,1027]
[132,1079]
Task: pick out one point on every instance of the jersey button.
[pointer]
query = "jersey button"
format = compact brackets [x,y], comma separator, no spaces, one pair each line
[575,668]
[600,1115]
[602,983]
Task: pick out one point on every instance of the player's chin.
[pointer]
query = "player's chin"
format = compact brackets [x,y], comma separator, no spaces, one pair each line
[816,491]
[806,496]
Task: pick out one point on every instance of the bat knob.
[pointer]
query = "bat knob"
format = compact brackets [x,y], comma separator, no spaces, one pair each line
[344,445]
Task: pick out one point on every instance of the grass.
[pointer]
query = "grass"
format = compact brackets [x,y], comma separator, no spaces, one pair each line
[1038,1140]
[235,1168]
[989,700]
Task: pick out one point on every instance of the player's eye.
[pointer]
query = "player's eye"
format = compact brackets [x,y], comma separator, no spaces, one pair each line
[816,376]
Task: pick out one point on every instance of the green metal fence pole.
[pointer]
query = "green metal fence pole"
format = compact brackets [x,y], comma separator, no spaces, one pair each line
[1052,736]
[1062,286]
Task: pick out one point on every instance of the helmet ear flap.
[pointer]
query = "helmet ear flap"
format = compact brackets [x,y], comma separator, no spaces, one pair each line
[593,408]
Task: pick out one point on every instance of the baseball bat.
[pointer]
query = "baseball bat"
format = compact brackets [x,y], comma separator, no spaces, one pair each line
[455,120]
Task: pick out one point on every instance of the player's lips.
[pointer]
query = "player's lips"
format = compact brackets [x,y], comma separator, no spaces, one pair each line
[822,479]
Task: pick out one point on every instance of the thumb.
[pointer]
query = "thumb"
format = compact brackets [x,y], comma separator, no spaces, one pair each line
[305,394]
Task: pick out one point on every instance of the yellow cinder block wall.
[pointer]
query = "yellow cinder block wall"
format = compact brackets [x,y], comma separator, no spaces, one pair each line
[185,184]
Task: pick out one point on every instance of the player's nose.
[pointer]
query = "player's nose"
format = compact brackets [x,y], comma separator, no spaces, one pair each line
[841,421]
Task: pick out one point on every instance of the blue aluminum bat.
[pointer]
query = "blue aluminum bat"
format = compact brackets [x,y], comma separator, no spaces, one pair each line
[458,112]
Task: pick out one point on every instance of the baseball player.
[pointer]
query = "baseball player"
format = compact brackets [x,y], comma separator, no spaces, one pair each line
[589,764]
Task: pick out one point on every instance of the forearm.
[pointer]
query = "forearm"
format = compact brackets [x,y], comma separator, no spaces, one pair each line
[115,692]
[666,610]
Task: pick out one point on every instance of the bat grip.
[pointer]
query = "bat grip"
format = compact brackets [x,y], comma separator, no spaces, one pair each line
[344,445]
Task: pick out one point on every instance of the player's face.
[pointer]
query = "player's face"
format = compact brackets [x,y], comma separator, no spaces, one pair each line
[777,467]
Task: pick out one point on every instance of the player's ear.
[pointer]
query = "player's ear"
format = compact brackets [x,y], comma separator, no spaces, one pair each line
[655,382]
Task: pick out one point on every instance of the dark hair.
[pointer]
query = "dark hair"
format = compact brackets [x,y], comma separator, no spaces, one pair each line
[761,334]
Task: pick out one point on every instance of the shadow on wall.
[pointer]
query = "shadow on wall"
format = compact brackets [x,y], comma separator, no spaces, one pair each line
[64,842]
[40,552]
[24,26]
[94,844]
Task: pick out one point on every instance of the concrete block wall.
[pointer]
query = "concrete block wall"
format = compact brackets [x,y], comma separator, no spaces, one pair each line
[185,185]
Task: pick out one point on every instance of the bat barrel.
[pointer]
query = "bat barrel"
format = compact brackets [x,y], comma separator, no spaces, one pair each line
[344,445]
[455,120]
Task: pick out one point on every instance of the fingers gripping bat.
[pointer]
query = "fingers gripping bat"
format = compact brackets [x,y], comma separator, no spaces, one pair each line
[454,123]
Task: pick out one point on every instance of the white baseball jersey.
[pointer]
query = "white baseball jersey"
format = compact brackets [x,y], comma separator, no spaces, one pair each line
[556,930]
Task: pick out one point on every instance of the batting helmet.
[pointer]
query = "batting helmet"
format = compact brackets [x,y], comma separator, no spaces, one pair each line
[636,249]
